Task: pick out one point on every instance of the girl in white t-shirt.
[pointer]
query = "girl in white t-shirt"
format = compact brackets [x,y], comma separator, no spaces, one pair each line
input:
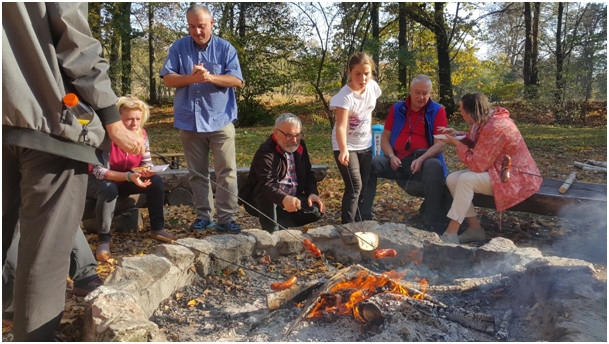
[352,134]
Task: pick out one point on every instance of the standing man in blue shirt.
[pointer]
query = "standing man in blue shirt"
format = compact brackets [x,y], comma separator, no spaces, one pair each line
[204,69]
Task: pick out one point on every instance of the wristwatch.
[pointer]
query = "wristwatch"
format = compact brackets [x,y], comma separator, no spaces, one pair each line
[391,156]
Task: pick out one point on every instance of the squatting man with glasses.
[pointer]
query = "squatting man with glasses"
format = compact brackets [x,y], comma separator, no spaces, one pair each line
[281,184]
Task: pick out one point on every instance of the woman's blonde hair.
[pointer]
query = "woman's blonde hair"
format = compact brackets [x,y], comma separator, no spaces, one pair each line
[361,58]
[133,103]
[477,106]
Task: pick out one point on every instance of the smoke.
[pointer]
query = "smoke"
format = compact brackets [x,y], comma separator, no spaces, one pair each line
[585,237]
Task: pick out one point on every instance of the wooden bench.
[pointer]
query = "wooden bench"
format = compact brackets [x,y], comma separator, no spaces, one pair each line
[546,201]
[173,159]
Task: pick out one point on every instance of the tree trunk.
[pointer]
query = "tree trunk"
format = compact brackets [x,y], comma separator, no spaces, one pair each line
[375,36]
[528,44]
[125,24]
[443,46]
[115,39]
[151,70]
[560,85]
[95,19]
[402,44]
[531,49]
[535,44]
[242,9]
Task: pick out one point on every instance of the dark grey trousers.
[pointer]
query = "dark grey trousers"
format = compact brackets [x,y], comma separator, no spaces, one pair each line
[82,266]
[45,194]
[431,174]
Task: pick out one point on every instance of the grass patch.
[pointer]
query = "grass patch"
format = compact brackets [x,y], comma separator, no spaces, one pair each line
[553,147]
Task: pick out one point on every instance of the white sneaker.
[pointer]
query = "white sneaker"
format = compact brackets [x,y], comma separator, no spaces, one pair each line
[450,238]
[472,234]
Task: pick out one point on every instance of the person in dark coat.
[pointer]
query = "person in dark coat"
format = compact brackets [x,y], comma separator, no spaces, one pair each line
[281,188]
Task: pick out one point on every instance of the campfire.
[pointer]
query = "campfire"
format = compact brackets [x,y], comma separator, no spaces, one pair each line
[344,297]
[496,292]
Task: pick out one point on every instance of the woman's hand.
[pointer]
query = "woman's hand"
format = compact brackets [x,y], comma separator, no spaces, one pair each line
[343,157]
[448,131]
[135,178]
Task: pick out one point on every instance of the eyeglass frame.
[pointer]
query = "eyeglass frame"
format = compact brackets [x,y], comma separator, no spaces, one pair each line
[290,136]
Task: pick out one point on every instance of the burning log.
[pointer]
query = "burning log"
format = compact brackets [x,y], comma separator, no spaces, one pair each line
[378,308]
[296,294]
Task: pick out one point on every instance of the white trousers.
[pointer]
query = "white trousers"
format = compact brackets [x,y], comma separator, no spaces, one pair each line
[462,185]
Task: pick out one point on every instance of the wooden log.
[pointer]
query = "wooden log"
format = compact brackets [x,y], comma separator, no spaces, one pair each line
[567,184]
[587,167]
[502,333]
[596,163]
[296,294]
[478,321]
[466,284]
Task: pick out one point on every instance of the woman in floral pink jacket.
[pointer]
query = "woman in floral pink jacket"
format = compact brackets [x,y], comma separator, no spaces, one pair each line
[492,136]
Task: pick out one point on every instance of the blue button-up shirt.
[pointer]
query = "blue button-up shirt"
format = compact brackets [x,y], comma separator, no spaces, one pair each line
[203,107]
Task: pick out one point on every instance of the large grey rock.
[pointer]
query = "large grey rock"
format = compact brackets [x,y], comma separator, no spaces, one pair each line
[107,305]
[157,279]
[201,250]
[180,256]
[290,241]
[229,248]
[264,240]
[132,331]
[332,240]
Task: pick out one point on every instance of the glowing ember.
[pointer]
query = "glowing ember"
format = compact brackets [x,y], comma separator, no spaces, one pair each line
[344,296]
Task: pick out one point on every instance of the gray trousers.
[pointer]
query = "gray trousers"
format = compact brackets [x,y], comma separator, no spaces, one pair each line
[221,143]
[45,194]
[82,266]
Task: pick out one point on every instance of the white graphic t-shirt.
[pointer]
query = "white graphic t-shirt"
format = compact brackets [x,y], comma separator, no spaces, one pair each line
[360,107]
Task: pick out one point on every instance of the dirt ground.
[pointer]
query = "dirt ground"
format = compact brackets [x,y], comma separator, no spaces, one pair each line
[583,237]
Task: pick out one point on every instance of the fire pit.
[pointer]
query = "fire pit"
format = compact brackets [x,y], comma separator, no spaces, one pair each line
[428,292]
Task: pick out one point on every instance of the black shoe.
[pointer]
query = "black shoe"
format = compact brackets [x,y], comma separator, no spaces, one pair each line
[87,285]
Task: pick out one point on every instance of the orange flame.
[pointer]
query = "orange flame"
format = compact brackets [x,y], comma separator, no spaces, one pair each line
[344,296]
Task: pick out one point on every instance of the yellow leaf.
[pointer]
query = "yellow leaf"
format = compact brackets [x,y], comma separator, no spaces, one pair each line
[192,303]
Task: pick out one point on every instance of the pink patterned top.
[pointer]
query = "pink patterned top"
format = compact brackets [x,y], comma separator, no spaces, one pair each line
[495,138]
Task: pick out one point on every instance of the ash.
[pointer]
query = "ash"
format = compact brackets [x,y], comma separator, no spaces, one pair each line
[231,306]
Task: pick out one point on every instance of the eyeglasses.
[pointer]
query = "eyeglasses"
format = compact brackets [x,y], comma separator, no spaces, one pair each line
[290,136]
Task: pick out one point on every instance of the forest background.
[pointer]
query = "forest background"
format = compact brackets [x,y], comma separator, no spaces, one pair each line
[545,62]
[549,59]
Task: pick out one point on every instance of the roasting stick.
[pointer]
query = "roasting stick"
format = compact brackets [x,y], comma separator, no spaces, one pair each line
[260,212]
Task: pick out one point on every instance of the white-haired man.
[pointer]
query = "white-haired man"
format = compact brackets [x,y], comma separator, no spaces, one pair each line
[281,184]
[411,152]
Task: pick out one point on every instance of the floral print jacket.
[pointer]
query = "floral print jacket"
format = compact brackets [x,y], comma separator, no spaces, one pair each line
[494,139]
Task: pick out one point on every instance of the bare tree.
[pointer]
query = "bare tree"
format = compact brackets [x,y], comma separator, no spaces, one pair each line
[318,15]
[151,58]
[436,22]
[531,48]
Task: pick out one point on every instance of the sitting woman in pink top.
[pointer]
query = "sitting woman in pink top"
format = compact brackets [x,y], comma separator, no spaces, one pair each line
[107,183]
[498,161]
